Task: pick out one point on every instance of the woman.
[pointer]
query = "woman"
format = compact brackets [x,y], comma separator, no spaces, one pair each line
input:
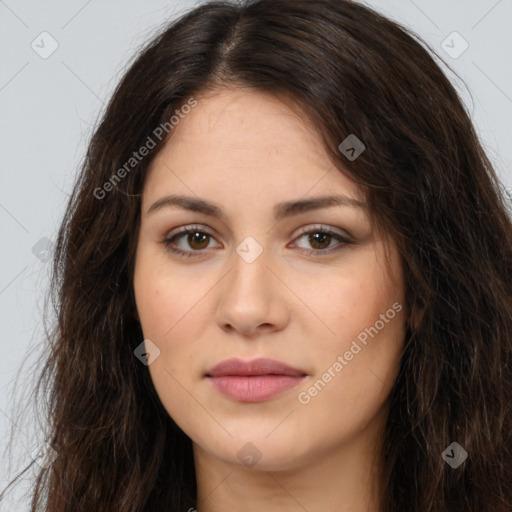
[283,279]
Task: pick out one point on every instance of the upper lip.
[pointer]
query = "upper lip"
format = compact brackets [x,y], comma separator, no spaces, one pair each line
[261,366]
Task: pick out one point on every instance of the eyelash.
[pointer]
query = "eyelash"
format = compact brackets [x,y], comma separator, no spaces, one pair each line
[314,230]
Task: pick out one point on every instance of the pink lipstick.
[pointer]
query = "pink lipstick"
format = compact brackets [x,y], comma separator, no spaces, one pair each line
[253,381]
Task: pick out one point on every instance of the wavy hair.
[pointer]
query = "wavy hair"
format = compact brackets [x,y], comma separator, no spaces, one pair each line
[429,185]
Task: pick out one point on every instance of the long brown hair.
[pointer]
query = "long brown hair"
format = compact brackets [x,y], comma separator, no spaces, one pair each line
[428,183]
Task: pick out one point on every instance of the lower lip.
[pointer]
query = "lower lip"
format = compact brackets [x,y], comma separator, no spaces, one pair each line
[255,388]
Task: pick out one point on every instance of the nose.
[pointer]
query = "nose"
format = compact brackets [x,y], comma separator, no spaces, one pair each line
[252,299]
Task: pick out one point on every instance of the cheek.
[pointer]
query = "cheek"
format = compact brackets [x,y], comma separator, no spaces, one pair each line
[365,309]
[354,377]
[172,304]
[167,311]
[167,300]
[351,299]
[372,327]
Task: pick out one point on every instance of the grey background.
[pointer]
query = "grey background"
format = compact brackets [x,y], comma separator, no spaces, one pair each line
[49,106]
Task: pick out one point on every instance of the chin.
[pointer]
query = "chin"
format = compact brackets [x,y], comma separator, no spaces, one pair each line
[260,453]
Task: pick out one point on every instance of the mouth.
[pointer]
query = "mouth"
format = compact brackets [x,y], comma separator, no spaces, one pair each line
[253,381]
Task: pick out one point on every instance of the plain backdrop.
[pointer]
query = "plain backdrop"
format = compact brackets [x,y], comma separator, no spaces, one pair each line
[59,63]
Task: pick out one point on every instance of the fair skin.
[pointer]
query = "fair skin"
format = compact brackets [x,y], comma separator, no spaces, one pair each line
[315,449]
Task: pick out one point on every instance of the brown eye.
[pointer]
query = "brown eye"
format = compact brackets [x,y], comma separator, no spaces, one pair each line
[189,241]
[196,240]
[322,240]
[317,240]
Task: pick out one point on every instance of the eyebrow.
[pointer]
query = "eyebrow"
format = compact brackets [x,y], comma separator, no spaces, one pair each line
[281,210]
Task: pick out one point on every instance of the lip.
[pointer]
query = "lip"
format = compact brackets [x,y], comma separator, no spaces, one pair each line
[253,381]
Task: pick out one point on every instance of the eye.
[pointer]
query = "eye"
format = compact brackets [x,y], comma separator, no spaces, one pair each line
[194,236]
[321,237]
[197,238]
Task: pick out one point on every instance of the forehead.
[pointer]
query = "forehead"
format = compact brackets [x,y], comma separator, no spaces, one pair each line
[248,142]
[246,119]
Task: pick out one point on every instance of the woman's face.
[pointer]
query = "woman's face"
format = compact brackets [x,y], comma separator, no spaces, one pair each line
[269,272]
